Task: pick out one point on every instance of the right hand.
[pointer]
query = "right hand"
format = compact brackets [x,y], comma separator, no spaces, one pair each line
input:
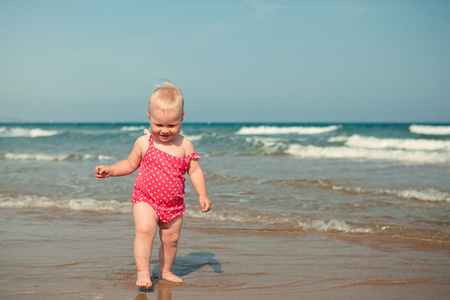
[102,172]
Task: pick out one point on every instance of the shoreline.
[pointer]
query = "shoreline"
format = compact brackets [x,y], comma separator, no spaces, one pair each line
[49,255]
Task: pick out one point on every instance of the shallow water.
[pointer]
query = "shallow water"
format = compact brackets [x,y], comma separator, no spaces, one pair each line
[88,255]
[382,179]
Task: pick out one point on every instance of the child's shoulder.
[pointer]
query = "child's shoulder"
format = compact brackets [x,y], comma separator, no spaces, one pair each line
[187,145]
[142,138]
[142,141]
[185,141]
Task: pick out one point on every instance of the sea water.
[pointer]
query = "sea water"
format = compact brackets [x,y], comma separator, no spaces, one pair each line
[369,179]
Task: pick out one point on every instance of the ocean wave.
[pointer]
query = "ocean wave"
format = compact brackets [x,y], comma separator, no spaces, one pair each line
[286,222]
[368,154]
[334,225]
[114,206]
[133,128]
[45,157]
[267,144]
[24,132]
[105,157]
[262,130]
[431,195]
[193,137]
[358,141]
[84,204]
[429,129]
[425,195]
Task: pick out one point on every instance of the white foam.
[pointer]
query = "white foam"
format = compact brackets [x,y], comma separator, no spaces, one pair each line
[44,157]
[27,202]
[269,145]
[105,157]
[368,154]
[422,195]
[99,205]
[133,128]
[194,137]
[85,204]
[358,141]
[114,206]
[261,130]
[333,225]
[24,132]
[429,129]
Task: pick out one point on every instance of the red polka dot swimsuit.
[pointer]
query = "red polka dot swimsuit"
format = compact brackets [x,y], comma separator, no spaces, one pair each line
[160,182]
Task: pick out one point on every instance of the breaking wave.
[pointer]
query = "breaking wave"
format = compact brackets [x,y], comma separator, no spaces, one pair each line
[287,222]
[133,128]
[262,130]
[24,132]
[429,129]
[415,156]
[114,206]
[45,157]
[431,195]
[358,141]
[86,204]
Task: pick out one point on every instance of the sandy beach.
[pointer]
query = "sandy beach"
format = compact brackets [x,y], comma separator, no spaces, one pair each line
[85,255]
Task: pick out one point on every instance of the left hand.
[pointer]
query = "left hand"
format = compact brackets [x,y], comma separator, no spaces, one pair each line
[205,204]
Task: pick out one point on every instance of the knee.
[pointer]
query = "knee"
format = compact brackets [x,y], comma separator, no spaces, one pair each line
[145,231]
[170,239]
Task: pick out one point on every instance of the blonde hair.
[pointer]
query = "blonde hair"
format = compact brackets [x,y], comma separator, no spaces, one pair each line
[166,97]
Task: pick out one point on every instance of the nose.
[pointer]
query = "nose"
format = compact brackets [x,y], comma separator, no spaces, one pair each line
[165,130]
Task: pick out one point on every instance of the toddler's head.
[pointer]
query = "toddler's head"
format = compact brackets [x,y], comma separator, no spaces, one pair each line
[167,97]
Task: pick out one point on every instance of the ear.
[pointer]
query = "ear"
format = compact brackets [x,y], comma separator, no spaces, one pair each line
[148,114]
[182,117]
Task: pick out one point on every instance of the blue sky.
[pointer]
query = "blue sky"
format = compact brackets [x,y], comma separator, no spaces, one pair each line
[236,61]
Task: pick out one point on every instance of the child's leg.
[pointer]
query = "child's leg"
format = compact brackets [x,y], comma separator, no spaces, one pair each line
[146,224]
[169,234]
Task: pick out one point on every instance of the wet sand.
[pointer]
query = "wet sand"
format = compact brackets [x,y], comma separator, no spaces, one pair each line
[79,255]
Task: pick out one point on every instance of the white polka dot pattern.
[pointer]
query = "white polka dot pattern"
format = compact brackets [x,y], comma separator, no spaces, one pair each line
[160,182]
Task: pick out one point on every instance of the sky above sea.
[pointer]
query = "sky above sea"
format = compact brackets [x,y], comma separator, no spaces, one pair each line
[235,61]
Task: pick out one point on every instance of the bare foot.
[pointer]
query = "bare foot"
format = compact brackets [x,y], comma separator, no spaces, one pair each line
[170,277]
[143,279]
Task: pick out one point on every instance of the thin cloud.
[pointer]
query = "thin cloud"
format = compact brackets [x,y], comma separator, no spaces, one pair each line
[263,9]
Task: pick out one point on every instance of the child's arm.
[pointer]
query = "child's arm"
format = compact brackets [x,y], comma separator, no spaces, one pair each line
[123,167]
[198,181]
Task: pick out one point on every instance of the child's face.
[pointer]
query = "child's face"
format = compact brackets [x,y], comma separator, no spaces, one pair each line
[165,125]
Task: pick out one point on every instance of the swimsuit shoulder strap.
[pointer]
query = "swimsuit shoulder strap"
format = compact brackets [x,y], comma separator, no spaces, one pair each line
[149,135]
[193,155]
